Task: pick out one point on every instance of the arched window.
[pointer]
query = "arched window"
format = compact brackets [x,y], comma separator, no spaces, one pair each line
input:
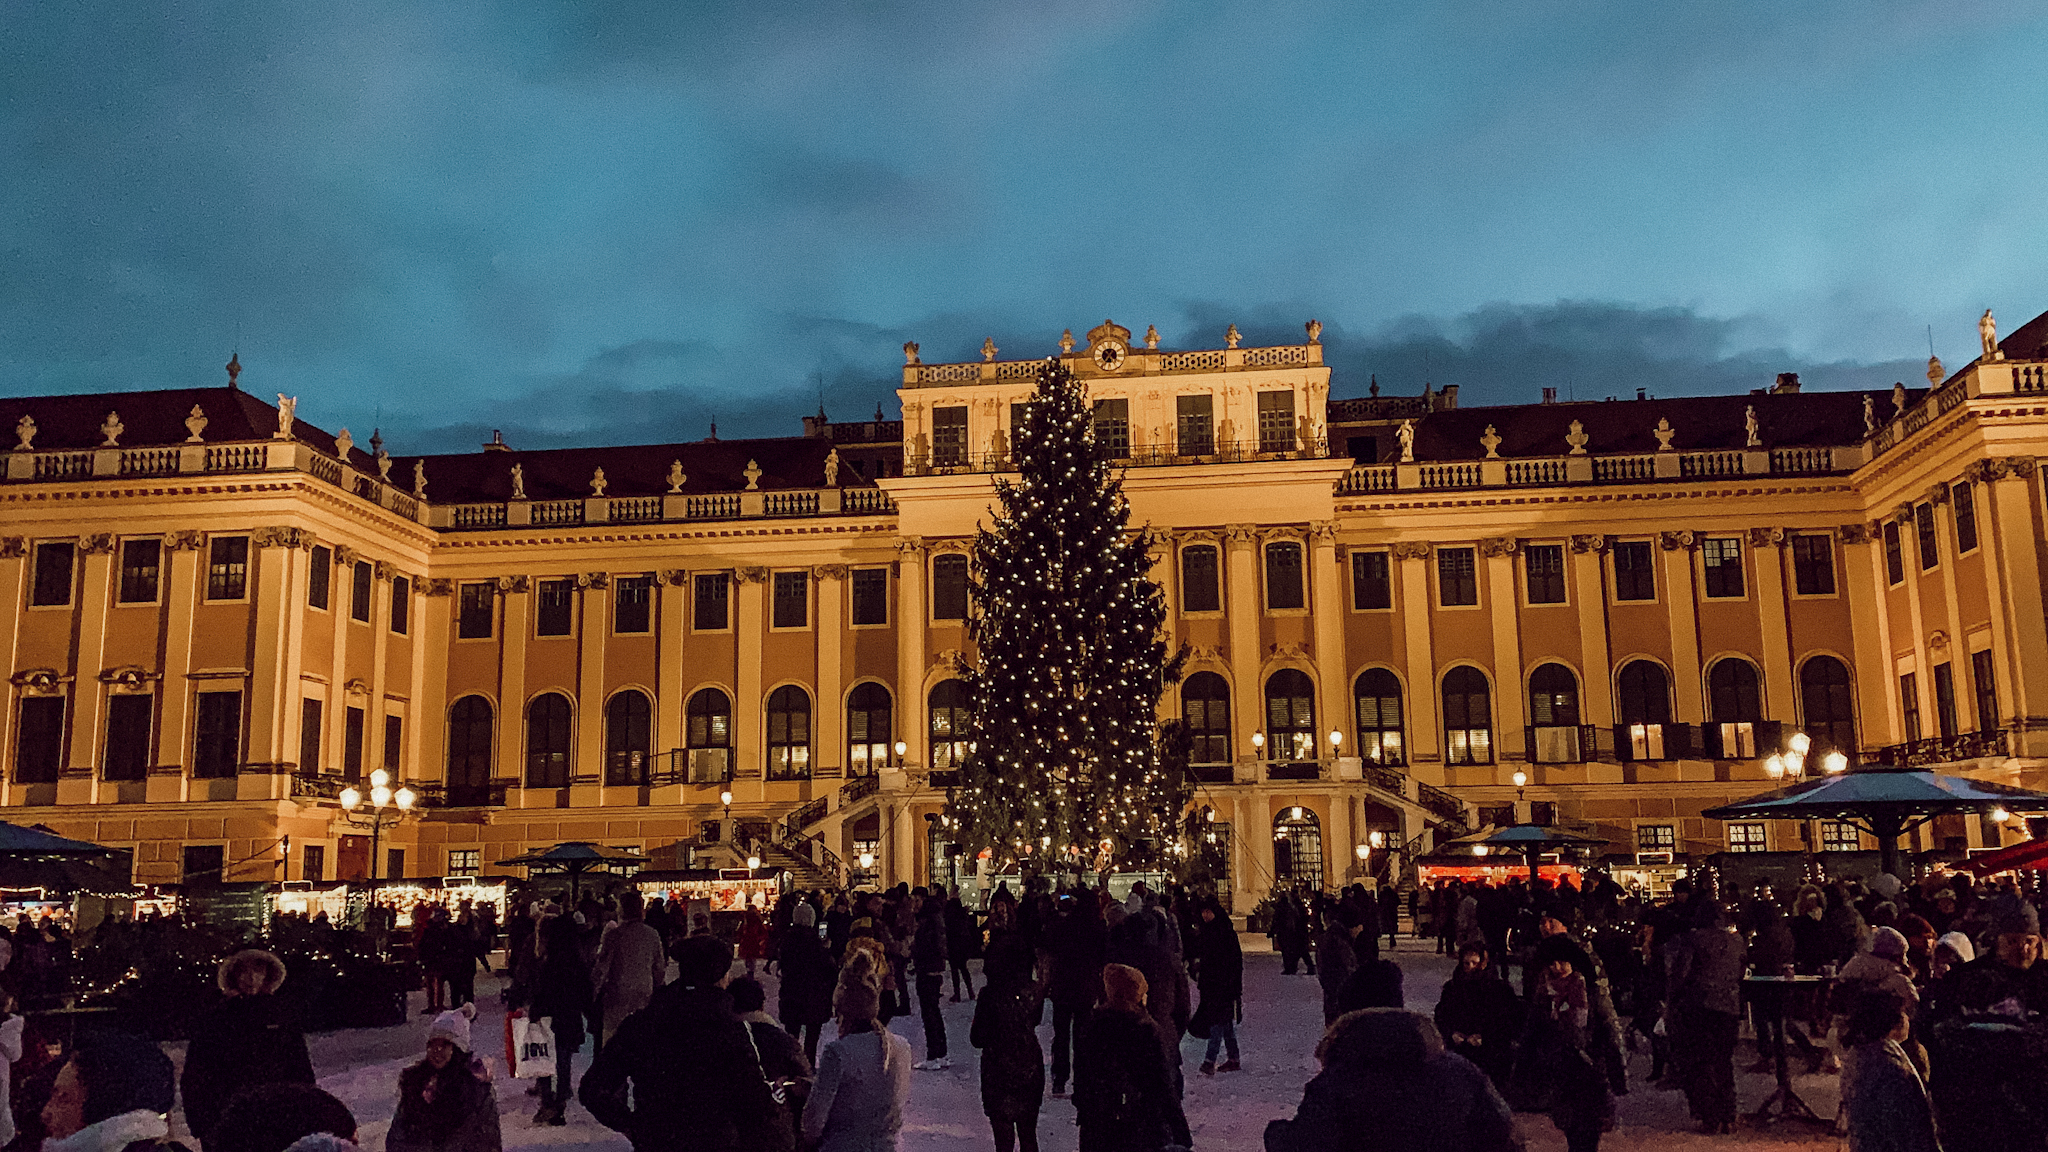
[950,725]
[1554,716]
[789,733]
[1645,709]
[1298,849]
[628,738]
[547,741]
[1468,717]
[1290,716]
[1830,714]
[869,729]
[1735,702]
[469,752]
[1205,705]
[1377,697]
[707,736]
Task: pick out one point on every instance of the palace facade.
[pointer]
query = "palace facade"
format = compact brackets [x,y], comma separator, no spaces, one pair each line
[1403,617]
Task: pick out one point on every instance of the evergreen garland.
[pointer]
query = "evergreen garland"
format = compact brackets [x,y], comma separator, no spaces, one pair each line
[1063,770]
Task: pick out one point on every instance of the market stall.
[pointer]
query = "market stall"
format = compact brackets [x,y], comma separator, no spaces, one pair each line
[410,898]
[722,890]
[573,859]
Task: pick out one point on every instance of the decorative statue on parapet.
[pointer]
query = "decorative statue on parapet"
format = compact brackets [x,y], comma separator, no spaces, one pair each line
[287,414]
[419,479]
[1869,415]
[519,481]
[1406,434]
[1987,331]
[910,352]
[1749,428]
[832,468]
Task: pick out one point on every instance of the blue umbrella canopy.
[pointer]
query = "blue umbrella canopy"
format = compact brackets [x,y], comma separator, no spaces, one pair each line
[573,856]
[1881,792]
[19,842]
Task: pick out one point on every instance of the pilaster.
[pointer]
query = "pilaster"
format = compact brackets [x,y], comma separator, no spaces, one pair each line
[13,569]
[750,625]
[2020,573]
[1504,611]
[1682,610]
[587,767]
[88,695]
[169,777]
[515,602]
[1767,550]
[913,726]
[1425,730]
[828,752]
[674,598]
[1241,610]
[1326,603]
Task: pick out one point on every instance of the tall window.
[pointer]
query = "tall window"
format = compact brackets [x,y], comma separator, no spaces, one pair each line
[1298,849]
[1543,565]
[1909,705]
[792,596]
[1199,579]
[311,719]
[352,744]
[1645,693]
[1371,584]
[1945,699]
[1113,428]
[141,561]
[359,595]
[713,592]
[1984,679]
[217,746]
[474,610]
[949,437]
[1205,706]
[707,733]
[394,743]
[1894,562]
[1195,424]
[1829,706]
[789,734]
[1276,421]
[632,601]
[1923,535]
[949,586]
[1554,716]
[401,604]
[554,614]
[470,730]
[1635,575]
[1290,716]
[1283,576]
[1457,577]
[950,724]
[39,745]
[227,568]
[1735,702]
[1468,717]
[1963,506]
[628,738]
[1376,696]
[53,574]
[319,575]
[315,866]
[870,728]
[547,741]
[870,595]
[1721,558]
[128,737]
[1813,565]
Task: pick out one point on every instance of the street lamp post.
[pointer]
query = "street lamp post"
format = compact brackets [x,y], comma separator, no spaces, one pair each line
[386,806]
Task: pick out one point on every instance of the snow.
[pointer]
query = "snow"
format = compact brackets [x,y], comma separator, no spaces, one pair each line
[1282,1022]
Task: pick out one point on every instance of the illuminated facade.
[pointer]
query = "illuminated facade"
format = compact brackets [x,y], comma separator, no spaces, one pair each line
[218,619]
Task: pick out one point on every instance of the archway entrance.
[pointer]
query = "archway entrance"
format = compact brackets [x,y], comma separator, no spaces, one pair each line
[1298,850]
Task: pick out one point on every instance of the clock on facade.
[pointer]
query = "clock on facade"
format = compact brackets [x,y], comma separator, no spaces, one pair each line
[1109,355]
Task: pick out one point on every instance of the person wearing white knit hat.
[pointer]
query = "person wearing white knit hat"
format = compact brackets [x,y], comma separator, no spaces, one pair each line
[445,1102]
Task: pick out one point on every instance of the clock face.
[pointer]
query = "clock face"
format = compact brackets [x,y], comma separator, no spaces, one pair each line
[1109,355]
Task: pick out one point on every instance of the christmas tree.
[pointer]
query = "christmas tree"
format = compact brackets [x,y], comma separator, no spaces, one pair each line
[1064,770]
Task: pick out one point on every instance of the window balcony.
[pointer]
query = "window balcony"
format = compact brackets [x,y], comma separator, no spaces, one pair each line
[1943,749]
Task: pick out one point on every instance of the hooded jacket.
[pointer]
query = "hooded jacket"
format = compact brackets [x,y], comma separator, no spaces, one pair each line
[1388,1083]
[696,1083]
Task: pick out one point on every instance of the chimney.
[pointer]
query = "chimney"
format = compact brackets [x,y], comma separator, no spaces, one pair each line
[1447,398]
[1642,394]
[497,443]
[1787,385]
[1550,395]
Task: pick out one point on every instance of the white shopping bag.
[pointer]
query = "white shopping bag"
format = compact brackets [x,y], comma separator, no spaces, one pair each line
[533,1043]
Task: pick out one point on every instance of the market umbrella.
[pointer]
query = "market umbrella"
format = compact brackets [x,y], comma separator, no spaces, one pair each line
[21,842]
[1532,840]
[1884,800]
[572,859]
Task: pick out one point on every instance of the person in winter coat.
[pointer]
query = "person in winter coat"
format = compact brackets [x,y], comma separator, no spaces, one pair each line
[1479,1015]
[1879,972]
[928,960]
[243,1041]
[1133,941]
[1338,959]
[804,997]
[963,942]
[695,1083]
[753,938]
[276,1117]
[1077,944]
[1219,974]
[1703,1013]
[783,1061]
[112,1096]
[631,963]
[1291,933]
[12,1023]
[1554,1071]
[1884,1097]
[1386,1082]
[1124,1097]
[1375,984]
[1604,1040]
[561,996]
[856,1104]
[1005,1028]
[445,1102]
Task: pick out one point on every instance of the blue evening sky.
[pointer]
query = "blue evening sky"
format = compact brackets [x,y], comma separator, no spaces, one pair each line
[588,221]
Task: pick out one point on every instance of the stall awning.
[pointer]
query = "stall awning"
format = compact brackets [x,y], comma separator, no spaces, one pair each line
[2030,854]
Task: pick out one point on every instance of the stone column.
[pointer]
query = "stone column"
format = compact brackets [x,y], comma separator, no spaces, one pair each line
[828,725]
[2019,571]
[750,626]
[515,601]
[1781,702]
[380,672]
[586,768]
[1326,603]
[1916,637]
[912,725]
[1241,609]
[88,694]
[13,572]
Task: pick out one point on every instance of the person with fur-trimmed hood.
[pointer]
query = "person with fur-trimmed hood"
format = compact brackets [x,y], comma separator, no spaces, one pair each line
[245,1040]
[445,1102]
[113,1095]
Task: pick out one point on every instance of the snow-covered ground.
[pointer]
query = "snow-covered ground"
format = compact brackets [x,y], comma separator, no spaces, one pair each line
[1282,1021]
